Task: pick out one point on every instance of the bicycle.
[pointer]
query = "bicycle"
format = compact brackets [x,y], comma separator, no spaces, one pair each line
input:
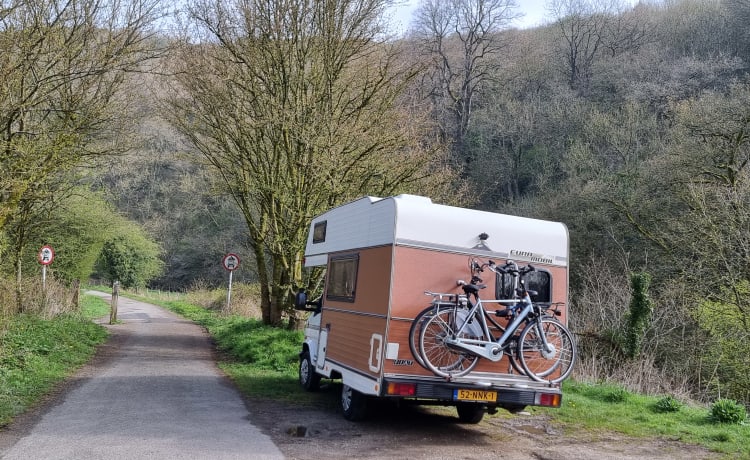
[441,299]
[453,338]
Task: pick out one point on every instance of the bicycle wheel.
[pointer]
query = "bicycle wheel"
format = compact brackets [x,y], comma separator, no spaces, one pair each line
[437,355]
[414,332]
[553,364]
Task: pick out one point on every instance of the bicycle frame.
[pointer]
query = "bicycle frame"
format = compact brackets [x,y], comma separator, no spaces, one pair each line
[492,350]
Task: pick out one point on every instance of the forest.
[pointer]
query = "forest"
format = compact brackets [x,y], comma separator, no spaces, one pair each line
[144,143]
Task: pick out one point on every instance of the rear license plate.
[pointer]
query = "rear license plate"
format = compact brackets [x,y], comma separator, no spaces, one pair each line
[474,395]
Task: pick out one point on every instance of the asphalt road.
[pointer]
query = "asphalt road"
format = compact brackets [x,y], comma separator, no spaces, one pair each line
[158,396]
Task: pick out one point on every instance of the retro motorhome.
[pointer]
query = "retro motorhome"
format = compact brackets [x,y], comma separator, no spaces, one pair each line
[381,255]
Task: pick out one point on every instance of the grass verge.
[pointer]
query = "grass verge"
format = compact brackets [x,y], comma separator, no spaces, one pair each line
[36,353]
[606,407]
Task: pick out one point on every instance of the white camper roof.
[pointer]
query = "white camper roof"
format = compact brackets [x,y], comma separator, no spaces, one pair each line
[411,220]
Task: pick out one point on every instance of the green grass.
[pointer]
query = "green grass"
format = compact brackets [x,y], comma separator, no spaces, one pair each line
[94,307]
[36,353]
[595,408]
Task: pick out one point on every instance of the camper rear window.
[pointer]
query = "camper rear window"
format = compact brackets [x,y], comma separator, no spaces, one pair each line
[539,281]
[342,278]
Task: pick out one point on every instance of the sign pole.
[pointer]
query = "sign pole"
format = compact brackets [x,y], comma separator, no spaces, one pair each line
[45,257]
[229,291]
[230,262]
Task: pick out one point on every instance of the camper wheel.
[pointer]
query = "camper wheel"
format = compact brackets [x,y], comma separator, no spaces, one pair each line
[353,403]
[308,378]
[470,412]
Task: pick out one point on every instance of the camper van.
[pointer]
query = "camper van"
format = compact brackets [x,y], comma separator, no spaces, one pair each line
[382,255]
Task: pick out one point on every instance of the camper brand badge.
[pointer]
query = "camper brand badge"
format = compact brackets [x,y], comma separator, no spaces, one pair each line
[402,362]
[530,256]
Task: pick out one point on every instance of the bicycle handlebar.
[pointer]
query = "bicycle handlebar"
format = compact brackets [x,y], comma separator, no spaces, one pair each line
[510,267]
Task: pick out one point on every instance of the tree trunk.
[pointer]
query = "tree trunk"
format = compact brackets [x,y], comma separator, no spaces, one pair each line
[265,294]
[276,294]
[19,278]
[296,322]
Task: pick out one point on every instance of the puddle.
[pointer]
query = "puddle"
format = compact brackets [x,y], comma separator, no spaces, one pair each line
[538,430]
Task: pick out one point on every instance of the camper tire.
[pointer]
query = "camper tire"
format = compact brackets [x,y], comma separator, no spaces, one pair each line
[308,378]
[470,412]
[353,403]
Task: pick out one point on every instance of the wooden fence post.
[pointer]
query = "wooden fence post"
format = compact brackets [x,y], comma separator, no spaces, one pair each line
[115,296]
[76,295]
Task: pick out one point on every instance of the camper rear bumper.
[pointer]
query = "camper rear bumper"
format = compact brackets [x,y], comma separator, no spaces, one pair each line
[513,393]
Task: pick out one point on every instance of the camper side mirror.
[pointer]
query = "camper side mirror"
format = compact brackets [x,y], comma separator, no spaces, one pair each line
[301,302]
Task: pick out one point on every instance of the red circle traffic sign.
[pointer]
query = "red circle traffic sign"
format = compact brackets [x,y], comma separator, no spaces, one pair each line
[230,262]
[46,255]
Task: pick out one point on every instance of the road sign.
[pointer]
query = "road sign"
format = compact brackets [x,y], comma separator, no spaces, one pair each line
[46,255]
[231,262]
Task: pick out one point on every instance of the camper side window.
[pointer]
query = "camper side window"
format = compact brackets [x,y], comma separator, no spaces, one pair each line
[342,278]
[538,280]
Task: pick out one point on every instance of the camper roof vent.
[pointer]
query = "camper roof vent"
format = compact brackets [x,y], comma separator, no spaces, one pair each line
[406,196]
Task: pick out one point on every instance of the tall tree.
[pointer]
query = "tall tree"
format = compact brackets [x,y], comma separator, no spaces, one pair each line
[461,41]
[582,26]
[62,67]
[292,103]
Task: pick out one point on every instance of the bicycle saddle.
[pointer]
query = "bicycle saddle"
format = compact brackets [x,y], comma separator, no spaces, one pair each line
[472,288]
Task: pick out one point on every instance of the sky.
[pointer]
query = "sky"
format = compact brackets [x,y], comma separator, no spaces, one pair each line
[534,12]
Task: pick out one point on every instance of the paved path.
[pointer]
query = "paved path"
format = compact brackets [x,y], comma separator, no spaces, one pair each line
[159,396]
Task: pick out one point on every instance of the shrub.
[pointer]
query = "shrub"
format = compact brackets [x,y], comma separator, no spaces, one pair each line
[131,258]
[641,308]
[617,395]
[728,411]
[667,404]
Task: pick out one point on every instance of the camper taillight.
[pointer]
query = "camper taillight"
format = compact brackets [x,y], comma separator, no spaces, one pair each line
[548,399]
[401,389]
